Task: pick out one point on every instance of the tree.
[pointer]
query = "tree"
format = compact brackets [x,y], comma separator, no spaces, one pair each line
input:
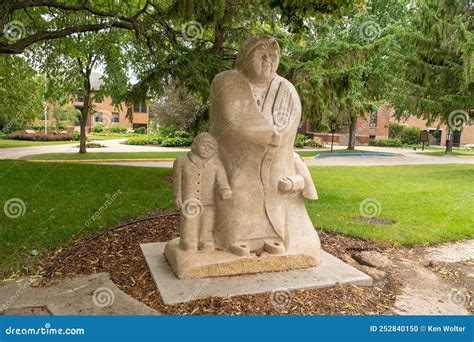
[27,22]
[432,68]
[21,93]
[71,60]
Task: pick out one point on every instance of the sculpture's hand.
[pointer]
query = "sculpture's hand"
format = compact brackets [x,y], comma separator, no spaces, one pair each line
[226,194]
[285,184]
[177,203]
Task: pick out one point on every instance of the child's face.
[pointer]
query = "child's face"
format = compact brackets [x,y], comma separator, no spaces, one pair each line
[205,150]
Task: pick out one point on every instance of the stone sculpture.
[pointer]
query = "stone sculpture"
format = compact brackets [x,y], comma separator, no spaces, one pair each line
[257,220]
[196,177]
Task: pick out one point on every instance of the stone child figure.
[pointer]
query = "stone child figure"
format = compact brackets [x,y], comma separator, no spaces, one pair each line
[198,178]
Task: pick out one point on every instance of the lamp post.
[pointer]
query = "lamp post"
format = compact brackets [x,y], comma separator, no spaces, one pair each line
[333,130]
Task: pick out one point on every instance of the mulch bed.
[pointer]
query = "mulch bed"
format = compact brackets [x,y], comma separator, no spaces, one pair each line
[118,253]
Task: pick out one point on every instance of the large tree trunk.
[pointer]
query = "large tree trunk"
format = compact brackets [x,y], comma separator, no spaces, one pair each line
[352,134]
[219,40]
[85,112]
[449,143]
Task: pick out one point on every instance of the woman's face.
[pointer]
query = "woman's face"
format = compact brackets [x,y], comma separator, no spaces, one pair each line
[263,63]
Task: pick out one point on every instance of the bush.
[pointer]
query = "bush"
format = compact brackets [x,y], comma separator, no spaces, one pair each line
[411,136]
[137,141]
[99,127]
[386,142]
[167,136]
[39,127]
[40,136]
[76,135]
[176,141]
[395,130]
[139,130]
[407,135]
[118,129]
[60,126]
[469,147]
[302,141]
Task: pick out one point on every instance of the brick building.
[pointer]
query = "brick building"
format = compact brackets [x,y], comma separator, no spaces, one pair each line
[376,126]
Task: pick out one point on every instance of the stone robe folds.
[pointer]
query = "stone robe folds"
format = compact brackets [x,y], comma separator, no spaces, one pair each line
[256,148]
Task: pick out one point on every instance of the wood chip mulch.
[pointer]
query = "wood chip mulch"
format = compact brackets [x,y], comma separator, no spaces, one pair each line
[118,253]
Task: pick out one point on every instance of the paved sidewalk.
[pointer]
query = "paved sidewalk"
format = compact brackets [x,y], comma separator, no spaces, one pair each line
[110,146]
[93,294]
[404,156]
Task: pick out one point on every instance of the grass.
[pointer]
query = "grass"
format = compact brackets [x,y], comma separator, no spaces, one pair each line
[429,203]
[60,199]
[105,155]
[9,143]
[442,153]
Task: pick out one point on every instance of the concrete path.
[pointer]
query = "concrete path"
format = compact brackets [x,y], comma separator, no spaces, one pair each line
[404,156]
[93,294]
[110,146]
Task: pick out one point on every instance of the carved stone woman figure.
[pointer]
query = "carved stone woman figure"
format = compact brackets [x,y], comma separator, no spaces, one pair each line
[254,116]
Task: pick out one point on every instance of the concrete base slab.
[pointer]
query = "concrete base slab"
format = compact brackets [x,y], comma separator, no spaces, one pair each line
[330,272]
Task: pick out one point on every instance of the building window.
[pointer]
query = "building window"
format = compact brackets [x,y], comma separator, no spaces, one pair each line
[115,117]
[373,119]
[98,117]
[140,107]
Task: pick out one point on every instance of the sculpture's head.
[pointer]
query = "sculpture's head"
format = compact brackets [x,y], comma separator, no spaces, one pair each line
[204,146]
[258,58]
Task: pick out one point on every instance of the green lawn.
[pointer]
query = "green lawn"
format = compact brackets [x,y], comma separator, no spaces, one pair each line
[105,155]
[428,203]
[8,143]
[458,152]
